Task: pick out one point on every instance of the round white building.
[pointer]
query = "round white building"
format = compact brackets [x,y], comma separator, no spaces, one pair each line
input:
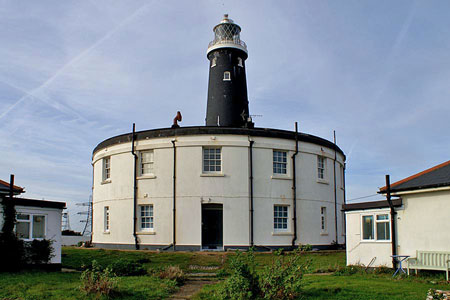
[220,186]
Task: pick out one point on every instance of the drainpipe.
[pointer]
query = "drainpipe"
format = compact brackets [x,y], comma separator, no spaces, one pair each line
[335,195]
[294,187]
[393,213]
[251,191]
[136,240]
[174,195]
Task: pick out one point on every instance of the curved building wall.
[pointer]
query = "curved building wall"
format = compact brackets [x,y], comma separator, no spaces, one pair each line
[230,187]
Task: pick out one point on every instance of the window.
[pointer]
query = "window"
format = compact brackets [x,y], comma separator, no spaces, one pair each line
[280,218]
[376,227]
[323,219]
[146,162]
[30,226]
[106,218]
[321,164]
[213,62]
[240,62]
[212,161]
[279,162]
[146,217]
[226,76]
[383,232]
[106,168]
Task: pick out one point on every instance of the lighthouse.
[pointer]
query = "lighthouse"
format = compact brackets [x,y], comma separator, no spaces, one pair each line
[227,87]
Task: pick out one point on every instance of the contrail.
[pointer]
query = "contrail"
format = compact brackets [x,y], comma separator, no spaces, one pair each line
[74,60]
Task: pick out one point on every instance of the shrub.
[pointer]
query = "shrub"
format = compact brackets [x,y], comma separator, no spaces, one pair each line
[283,278]
[348,270]
[242,283]
[12,252]
[124,267]
[172,273]
[306,247]
[39,251]
[97,281]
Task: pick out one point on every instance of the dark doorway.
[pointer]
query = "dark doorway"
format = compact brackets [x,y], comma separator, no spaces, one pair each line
[212,226]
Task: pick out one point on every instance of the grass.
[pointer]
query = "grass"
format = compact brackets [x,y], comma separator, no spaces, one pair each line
[34,285]
[75,258]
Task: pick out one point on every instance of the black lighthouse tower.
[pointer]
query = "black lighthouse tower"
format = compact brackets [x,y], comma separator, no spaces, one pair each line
[227,88]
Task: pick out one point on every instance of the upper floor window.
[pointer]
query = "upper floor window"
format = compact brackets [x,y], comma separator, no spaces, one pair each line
[106,168]
[146,160]
[323,219]
[106,218]
[213,62]
[146,217]
[321,165]
[279,162]
[29,226]
[212,160]
[226,76]
[280,217]
[376,227]
[240,62]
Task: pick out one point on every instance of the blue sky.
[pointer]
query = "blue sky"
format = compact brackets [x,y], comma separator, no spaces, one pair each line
[73,73]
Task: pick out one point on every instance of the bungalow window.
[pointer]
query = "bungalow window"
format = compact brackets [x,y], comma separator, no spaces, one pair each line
[376,227]
[30,226]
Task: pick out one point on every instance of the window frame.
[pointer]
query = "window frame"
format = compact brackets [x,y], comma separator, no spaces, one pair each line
[150,217]
[213,62]
[281,163]
[30,222]
[215,160]
[275,222]
[106,219]
[225,77]
[324,178]
[374,227]
[151,163]
[240,62]
[106,169]
[323,220]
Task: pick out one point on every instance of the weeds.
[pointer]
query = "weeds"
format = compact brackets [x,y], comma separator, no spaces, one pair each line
[172,273]
[97,281]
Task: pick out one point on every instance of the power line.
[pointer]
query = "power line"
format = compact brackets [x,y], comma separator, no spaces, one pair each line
[362,197]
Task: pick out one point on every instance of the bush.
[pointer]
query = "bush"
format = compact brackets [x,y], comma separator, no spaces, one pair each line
[172,273]
[39,251]
[306,247]
[283,278]
[97,281]
[12,252]
[243,281]
[123,267]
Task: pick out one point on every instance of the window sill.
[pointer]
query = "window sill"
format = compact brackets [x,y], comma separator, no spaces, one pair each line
[146,232]
[324,233]
[212,175]
[146,177]
[375,241]
[282,177]
[106,232]
[282,233]
[322,181]
[106,181]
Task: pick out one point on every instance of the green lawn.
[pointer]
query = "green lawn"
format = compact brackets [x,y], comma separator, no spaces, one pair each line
[35,285]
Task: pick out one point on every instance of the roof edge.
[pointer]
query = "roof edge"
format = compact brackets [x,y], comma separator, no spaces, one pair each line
[383,189]
[371,205]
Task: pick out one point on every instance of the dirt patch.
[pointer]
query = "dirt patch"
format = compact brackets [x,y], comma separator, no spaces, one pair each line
[190,288]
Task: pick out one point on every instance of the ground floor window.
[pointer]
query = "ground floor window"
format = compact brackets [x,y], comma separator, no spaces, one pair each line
[146,217]
[280,217]
[376,227]
[30,226]
[106,219]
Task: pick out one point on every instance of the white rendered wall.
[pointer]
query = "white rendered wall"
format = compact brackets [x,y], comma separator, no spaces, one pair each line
[231,189]
[421,225]
[52,226]
[361,252]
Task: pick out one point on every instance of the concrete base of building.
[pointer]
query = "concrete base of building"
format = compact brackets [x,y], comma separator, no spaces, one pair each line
[259,248]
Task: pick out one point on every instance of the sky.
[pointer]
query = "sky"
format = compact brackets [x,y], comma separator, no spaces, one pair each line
[73,73]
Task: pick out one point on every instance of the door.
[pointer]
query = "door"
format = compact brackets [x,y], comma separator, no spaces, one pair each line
[212,226]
